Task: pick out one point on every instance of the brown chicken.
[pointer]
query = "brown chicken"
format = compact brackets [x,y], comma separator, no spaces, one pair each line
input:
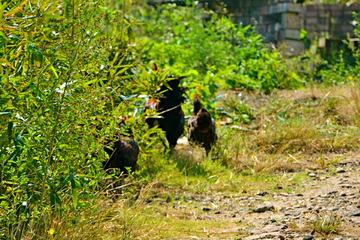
[123,153]
[201,127]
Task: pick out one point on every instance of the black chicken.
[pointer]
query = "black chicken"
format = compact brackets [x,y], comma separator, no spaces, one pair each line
[123,153]
[169,107]
[201,127]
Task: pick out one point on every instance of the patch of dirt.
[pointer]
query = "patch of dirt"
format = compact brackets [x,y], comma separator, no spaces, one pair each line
[278,214]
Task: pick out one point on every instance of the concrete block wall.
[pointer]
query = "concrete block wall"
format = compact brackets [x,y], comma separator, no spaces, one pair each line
[278,21]
[329,20]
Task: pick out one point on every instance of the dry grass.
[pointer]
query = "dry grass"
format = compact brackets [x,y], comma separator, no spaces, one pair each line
[294,129]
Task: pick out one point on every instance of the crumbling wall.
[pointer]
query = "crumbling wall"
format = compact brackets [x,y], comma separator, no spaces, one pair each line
[330,21]
[278,21]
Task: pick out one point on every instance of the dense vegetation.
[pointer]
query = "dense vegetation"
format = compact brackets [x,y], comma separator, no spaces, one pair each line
[70,70]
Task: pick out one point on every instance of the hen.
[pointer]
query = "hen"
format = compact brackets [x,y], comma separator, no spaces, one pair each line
[201,127]
[172,116]
[123,153]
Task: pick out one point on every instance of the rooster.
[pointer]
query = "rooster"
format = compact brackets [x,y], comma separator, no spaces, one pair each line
[123,153]
[201,127]
[169,107]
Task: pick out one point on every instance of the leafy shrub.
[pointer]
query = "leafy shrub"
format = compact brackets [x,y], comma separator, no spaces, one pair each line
[66,71]
[213,53]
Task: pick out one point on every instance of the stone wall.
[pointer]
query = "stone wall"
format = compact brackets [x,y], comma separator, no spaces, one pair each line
[281,21]
[278,21]
[330,21]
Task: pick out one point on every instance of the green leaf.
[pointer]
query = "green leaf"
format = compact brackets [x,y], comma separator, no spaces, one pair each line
[14,36]
[36,90]
[5,114]
[74,193]
[10,128]
[30,47]
[2,8]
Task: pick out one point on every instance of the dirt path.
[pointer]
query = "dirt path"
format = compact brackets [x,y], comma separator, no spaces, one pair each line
[322,196]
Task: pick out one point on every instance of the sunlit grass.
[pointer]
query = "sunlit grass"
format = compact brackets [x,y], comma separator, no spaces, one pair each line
[271,154]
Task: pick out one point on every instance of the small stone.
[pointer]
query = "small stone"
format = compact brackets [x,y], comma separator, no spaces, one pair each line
[262,193]
[206,209]
[340,170]
[333,208]
[342,194]
[297,206]
[217,212]
[264,209]
[312,174]
[308,237]
[149,200]
[299,195]
[332,192]
[338,238]
[234,215]
[353,213]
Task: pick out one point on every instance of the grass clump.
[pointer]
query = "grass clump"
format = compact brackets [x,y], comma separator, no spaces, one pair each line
[327,224]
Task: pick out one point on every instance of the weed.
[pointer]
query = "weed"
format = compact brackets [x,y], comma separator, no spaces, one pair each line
[293,225]
[327,223]
[237,109]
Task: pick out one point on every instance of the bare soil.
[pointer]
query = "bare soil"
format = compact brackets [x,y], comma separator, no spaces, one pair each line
[322,194]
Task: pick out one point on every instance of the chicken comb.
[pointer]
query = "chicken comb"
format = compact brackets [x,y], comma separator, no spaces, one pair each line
[123,119]
[195,96]
[155,67]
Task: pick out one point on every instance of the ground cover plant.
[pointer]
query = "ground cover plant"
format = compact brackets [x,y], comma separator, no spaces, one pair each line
[70,71]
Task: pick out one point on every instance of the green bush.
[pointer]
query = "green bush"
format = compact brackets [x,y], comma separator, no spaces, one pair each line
[66,70]
[214,52]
